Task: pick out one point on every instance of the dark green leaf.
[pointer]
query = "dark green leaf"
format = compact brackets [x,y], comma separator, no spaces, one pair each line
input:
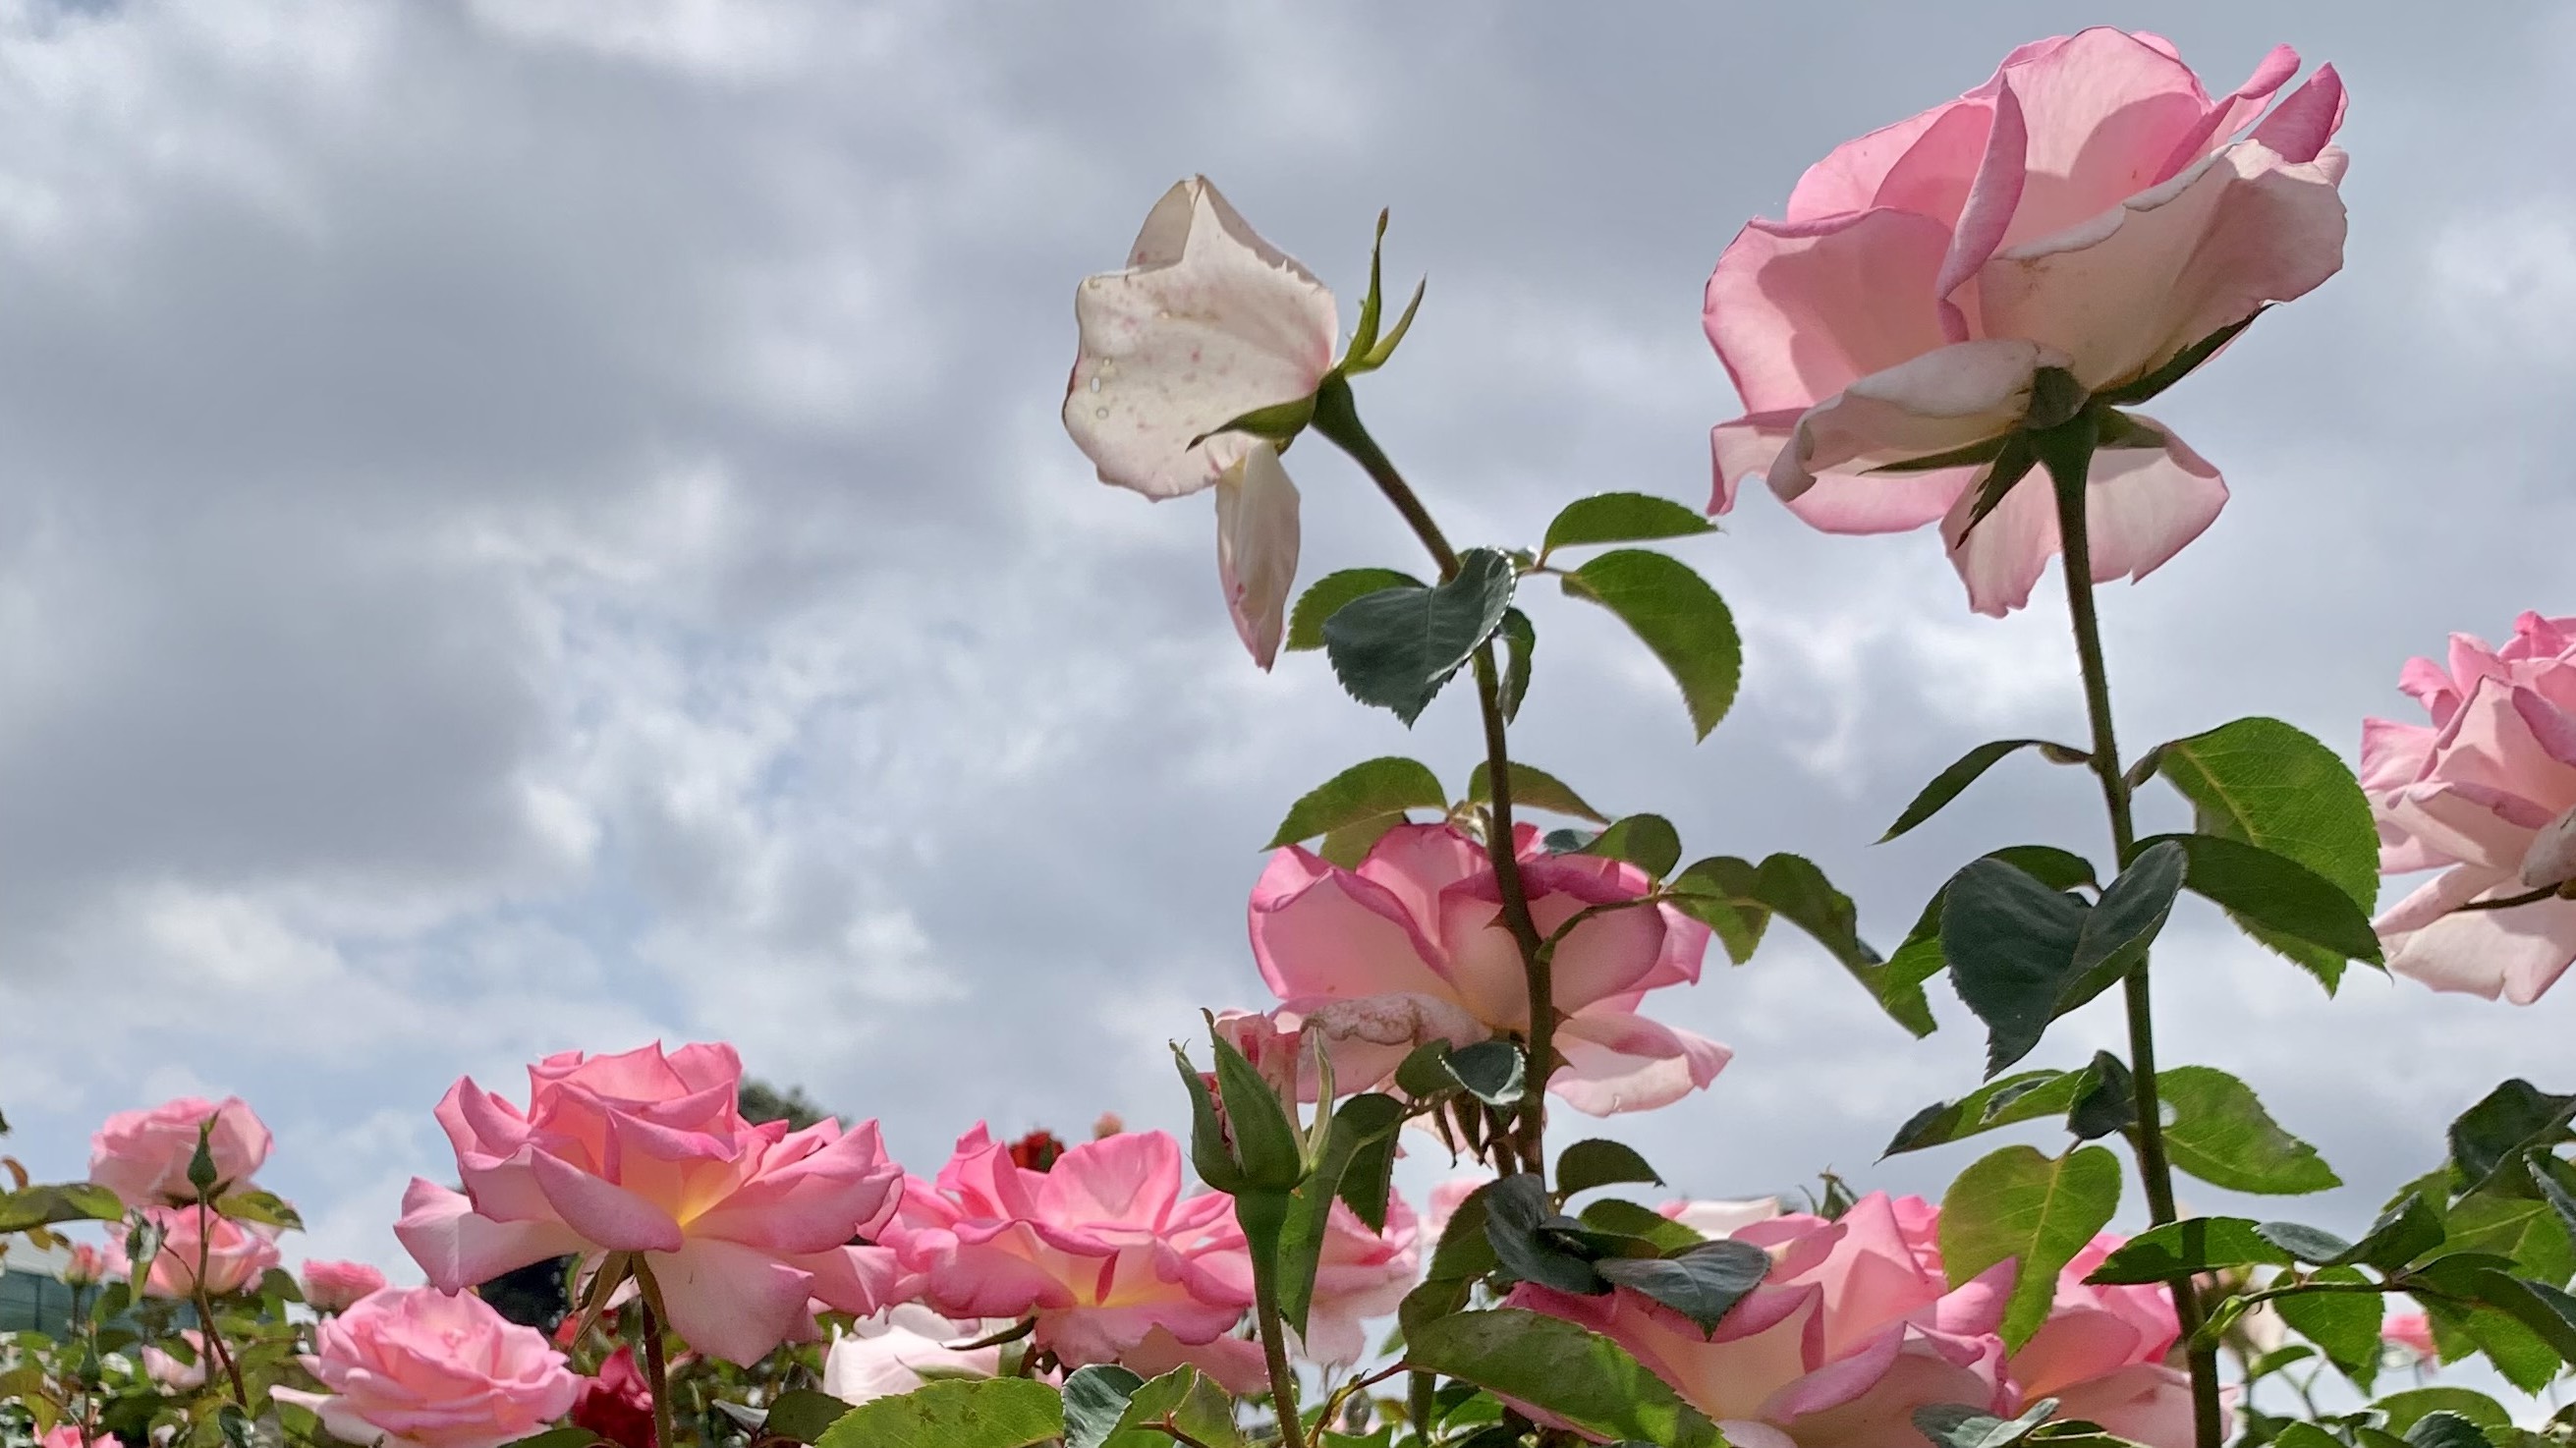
[1628,1219]
[1678,616]
[2124,922]
[1376,789]
[2219,1132]
[267,1209]
[2035,1209]
[2107,1102]
[1266,1143]
[2512,1121]
[1646,841]
[1326,595]
[1517,1211]
[1956,1425]
[2560,1200]
[1622,518]
[2303,1242]
[2526,1232]
[2344,1324]
[1395,648]
[2404,1410]
[1580,1377]
[1600,1162]
[1534,788]
[1364,1124]
[1095,1399]
[2445,1430]
[1791,887]
[1520,640]
[804,1415]
[2010,942]
[2261,782]
[1703,1283]
[2277,893]
[567,1437]
[1369,1175]
[1946,785]
[2403,1233]
[2022,1096]
[1210,1156]
[1491,1071]
[1350,845]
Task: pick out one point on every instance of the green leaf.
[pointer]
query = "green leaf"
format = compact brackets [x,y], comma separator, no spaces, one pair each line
[1095,1399]
[267,1209]
[1375,789]
[2176,368]
[1464,1254]
[2306,1435]
[803,1414]
[2279,894]
[1325,596]
[2527,1232]
[1517,1214]
[2107,1101]
[1946,785]
[2507,1125]
[2345,1325]
[1395,648]
[2035,1209]
[1520,645]
[565,1437]
[1210,1156]
[2261,782]
[1646,841]
[2191,1246]
[1491,1071]
[1702,1283]
[2403,1233]
[1265,1140]
[1680,619]
[1600,1162]
[2303,1242]
[1621,518]
[2404,1410]
[1791,887]
[1610,1214]
[2220,1133]
[1350,845]
[2010,944]
[990,1413]
[2022,1096]
[2124,922]
[45,1205]
[1534,788]
[2444,1429]
[1363,1123]
[1956,1425]
[1581,1377]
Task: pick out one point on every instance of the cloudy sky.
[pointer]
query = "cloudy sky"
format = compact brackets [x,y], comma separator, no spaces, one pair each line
[540,524]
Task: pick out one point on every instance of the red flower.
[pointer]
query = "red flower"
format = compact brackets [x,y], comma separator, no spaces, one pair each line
[618,1404]
[1036,1151]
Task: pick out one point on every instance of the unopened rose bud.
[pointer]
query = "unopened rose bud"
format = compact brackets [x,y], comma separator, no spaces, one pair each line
[1110,1124]
[2551,860]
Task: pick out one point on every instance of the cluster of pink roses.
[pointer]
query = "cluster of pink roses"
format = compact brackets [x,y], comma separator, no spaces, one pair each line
[1857,1326]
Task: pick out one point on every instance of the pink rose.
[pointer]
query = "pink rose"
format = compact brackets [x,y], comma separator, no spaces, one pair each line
[143,1156]
[742,1225]
[2485,790]
[2101,1354]
[1411,946]
[412,1367]
[1207,323]
[233,1256]
[1101,1248]
[173,1375]
[333,1286]
[2089,209]
[1715,1220]
[903,1347]
[1445,1200]
[1360,1275]
[85,1266]
[69,1435]
[2412,1331]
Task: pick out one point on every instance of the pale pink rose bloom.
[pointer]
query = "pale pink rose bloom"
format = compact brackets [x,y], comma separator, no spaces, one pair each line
[1720,1219]
[1414,940]
[234,1256]
[901,1348]
[2102,1352]
[2090,208]
[1101,1248]
[85,1266]
[1362,1039]
[172,1374]
[68,1435]
[743,1225]
[333,1286]
[413,1367]
[143,1156]
[1207,323]
[1359,1276]
[1851,1333]
[2480,790]
[2412,1331]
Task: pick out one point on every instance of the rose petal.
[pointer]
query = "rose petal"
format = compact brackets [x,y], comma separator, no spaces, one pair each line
[1256,548]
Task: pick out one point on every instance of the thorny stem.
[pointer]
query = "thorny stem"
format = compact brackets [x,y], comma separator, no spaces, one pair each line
[206,1329]
[657,1368]
[1338,420]
[1274,1353]
[2069,454]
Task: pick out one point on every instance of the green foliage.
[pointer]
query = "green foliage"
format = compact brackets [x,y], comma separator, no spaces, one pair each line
[1953,1425]
[803,1415]
[2344,1325]
[46,1205]
[990,1413]
[1581,1377]
[2021,954]
[1325,596]
[1106,1406]
[2095,1101]
[2281,896]
[1395,648]
[2261,782]
[1357,1161]
[1947,785]
[2190,1246]
[1680,619]
[1646,841]
[1702,1282]
[1530,1240]
[1600,1162]
[1369,791]
[1534,788]
[266,1208]
[1736,899]
[2220,1133]
[1520,646]
[2491,1140]
[1621,518]
[2038,1210]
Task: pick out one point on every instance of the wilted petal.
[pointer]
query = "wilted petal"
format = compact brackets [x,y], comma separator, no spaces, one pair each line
[1944,400]
[1256,548]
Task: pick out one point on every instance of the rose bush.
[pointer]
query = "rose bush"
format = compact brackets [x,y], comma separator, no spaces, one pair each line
[742,1226]
[2089,209]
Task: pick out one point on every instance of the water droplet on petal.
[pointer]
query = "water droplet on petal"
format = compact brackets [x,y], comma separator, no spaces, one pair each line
[1100,412]
[1095,384]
